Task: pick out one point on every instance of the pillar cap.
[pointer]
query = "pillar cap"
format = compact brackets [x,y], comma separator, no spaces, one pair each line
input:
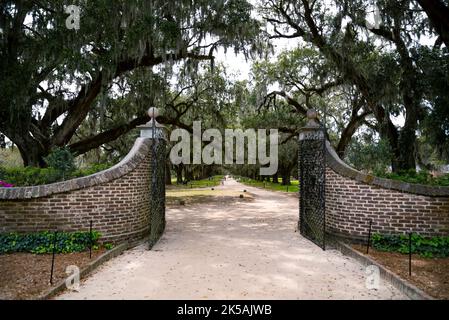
[147,129]
[312,119]
[153,113]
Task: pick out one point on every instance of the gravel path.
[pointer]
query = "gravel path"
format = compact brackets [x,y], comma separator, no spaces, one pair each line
[232,250]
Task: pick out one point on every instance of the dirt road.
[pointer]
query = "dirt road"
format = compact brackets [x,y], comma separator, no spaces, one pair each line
[232,250]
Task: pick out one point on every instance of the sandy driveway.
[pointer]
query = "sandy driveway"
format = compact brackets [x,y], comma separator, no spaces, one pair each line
[232,250]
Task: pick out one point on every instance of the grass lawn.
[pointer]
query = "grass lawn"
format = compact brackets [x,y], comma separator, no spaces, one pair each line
[294,187]
[205,183]
[203,195]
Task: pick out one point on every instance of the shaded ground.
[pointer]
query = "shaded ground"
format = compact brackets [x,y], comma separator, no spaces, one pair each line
[293,187]
[193,196]
[430,275]
[26,275]
[232,250]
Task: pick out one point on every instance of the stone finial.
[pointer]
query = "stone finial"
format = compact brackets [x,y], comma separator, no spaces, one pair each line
[312,116]
[146,130]
[154,113]
[313,129]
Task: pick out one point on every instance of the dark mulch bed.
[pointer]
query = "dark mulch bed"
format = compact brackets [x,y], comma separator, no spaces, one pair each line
[430,275]
[26,275]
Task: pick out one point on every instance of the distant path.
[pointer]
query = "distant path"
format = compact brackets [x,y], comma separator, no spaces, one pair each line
[238,250]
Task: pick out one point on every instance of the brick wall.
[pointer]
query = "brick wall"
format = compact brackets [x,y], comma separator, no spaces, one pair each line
[117,200]
[353,198]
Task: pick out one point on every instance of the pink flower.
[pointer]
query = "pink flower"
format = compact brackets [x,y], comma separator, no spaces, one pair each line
[5,184]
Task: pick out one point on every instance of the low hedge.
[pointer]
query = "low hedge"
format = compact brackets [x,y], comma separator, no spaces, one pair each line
[30,176]
[424,246]
[411,176]
[42,242]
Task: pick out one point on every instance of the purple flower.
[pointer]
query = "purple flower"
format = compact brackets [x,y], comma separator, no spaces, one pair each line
[5,184]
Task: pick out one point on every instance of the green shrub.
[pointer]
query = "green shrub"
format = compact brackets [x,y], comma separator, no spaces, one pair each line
[108,246]
[62,160]
[31,176]
[424,246]
[410,176]
[42,242]
[90,170]
[443,180]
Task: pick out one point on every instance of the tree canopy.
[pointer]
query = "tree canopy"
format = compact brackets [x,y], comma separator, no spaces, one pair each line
[377,72]
[52,78]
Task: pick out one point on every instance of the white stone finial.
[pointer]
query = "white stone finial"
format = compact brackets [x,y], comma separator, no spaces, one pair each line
[147,129]
[153,113]
[312,116]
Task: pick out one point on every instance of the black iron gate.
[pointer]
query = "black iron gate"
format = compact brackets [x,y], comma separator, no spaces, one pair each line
[312,177]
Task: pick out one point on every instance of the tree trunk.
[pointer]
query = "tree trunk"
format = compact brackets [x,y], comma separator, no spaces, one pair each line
[179,174]
[348,132]
[2,141]
[438,14]
[207,171]
[276,178]
[32,157]
[286,178]
[407,151]
[167,173]
[31,151]
[188,174]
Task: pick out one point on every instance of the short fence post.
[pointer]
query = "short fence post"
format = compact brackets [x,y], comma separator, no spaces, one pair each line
[369,236]
[410,254]
[53,257]
[90,242]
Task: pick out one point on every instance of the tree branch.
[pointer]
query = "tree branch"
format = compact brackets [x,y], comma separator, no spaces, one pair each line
[299,108]
[80,106]
[438,14]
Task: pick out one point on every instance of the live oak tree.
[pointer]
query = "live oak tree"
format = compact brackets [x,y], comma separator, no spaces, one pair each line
[434,140]
[305,81]
[51,77]
[376,58]
[206,97]
[437,12]
[258,114]
[89,88]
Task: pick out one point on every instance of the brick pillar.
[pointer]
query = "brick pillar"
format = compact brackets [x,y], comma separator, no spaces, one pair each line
[156,132]
[312,175]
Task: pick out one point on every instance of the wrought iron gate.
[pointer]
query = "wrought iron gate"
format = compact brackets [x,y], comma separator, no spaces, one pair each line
[312,177]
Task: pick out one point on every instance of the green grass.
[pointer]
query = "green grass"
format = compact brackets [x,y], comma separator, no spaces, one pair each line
[293,187]
[205,183]
[203,195]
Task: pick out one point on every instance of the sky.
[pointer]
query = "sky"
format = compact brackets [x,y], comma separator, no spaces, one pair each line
[236,63]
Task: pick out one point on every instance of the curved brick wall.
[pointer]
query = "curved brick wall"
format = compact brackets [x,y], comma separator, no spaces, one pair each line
[117,200]
[353,198]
